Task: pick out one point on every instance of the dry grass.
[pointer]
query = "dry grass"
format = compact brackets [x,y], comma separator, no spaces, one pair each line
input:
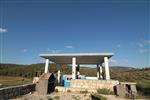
[13,81]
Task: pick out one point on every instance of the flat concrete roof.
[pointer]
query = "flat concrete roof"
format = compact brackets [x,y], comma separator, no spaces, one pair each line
[81,58]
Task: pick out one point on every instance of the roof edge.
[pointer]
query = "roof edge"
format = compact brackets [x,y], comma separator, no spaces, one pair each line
[77,54]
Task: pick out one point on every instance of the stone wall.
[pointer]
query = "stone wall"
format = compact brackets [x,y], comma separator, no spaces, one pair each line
[71,89]
[126,89]
[14,91]
[94,84]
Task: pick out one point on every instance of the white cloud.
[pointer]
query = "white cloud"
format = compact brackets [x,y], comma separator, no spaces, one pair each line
[48,49]
[2,30]
[53,51]
[112,61]
[24,50]
[69,47]
[140,45]
[126,61]
[144,50]
[118,46]
[147,42]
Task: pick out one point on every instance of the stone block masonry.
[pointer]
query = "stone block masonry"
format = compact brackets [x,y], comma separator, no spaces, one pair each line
[78,85]
[94,84]
[14,91]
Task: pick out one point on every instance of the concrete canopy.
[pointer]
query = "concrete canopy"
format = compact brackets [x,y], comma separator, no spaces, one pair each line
[81,58]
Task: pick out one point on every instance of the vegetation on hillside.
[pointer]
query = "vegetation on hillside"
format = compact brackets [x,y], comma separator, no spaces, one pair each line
[13,81]
[117,73]
[141,76]
[144,87]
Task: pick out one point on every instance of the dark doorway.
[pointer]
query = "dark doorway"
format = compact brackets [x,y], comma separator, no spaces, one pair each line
[51,83]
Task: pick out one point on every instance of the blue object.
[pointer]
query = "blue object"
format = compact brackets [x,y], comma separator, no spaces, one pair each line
[66,80]
[66,83]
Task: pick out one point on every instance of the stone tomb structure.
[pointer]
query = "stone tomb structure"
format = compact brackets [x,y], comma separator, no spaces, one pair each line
[126,89]
[77,59]
[46,83]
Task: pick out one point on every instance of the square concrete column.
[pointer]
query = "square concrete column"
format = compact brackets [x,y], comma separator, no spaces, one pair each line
[98,72]
[58,77]
[78,71]
[46,65]
[58,72]
[73,68]
[106,68]
[101,72]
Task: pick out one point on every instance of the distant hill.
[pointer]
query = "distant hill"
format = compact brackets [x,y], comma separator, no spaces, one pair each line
[117,72]
[140,76]
[122,67]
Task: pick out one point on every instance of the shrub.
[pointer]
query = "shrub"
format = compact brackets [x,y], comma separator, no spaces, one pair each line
[68,90]
[98,97]
[85,91]
[56,90]
[105,91]
[49,99]
[143,88]
[57,97]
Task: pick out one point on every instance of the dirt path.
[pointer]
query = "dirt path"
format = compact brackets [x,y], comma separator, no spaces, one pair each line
[113,97]
[56,96]
[66,96]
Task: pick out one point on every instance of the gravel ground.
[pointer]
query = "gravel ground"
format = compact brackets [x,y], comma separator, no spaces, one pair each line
[65,96]
[55,96]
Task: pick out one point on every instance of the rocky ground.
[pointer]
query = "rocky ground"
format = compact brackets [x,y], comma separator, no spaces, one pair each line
[55,96]
[65,96]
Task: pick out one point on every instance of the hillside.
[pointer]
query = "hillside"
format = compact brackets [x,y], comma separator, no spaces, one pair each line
[118,73]
[141,76]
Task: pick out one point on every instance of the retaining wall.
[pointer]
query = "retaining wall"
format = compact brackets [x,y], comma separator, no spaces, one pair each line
[14,91]
[71,89]
[94,84]
[78,85]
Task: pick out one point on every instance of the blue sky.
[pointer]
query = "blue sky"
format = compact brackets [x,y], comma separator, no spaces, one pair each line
[56,26]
